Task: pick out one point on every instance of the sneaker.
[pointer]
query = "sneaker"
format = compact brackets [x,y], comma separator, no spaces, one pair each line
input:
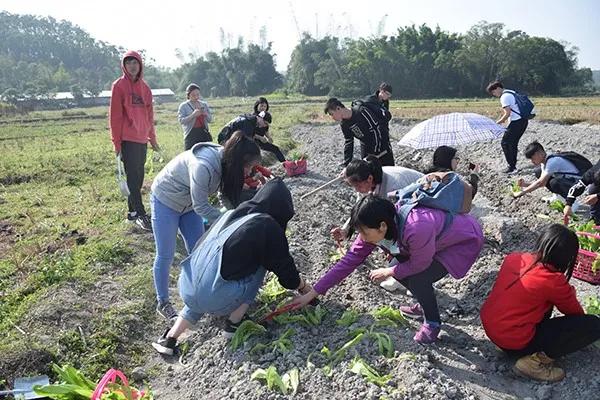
[165,345]
[131,217]
[144,222]
[231,327]
[413,312]
[390,284]
[167,311]
[540,367]
[427,334]
[510,170]
[553,197]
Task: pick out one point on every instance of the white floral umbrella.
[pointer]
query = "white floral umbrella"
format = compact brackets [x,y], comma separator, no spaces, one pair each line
[452,130]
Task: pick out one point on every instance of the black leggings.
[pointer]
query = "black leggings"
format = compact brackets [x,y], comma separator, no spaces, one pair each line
[196,135]
[421,286]
[134,159]
[562,335]
[270,147]
[510,140]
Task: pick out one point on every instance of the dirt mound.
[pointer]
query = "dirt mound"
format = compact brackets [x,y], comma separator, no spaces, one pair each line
[463,365]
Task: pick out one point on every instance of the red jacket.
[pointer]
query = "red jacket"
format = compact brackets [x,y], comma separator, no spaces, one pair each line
[131,114]
[512,310]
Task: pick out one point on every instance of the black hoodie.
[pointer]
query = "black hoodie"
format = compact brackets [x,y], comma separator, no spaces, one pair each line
[261,241]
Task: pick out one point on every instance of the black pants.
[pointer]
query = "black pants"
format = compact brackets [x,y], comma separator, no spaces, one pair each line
[562,335]
[510,140]
[270,147]
[595,211]
[560,185]
[134,158]
[196,135]
[386,160]
[421,286]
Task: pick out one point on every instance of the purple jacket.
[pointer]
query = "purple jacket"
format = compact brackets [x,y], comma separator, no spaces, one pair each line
[457,248]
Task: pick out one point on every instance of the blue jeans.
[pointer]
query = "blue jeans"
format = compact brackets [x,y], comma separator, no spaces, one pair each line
[165,223]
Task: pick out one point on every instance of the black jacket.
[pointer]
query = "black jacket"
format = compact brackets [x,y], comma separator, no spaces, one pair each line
[587,179]
[372,132]
[246,123]
[261,241]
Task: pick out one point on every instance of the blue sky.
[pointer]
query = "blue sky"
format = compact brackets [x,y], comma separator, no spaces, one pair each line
[194,26]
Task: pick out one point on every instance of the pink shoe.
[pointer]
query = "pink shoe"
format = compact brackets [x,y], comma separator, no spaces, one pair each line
[413,312]
[427,334]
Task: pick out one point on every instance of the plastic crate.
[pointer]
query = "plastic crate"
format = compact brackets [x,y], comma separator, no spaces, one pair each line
[295,167]
[583,267]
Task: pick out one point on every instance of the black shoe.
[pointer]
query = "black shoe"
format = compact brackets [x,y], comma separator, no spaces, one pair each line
[510,170]
[231,327]
[165,345]
[167,311]
[131,217]
[144,222]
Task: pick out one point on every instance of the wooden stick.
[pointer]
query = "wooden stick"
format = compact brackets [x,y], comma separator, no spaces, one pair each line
[331,182]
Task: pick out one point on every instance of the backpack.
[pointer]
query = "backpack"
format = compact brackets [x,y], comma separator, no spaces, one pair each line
[580,162]
[442,190]
[374,108]
[524,103]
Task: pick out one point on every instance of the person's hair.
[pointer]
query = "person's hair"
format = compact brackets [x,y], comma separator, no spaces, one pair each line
[533,148]
[332,104]
[238,152]
[494,85]
[386,87]
[189,88]
[442,159]
[596,178]
[129,58]
[558,246]
[370,212]
[259,101]
[359,170]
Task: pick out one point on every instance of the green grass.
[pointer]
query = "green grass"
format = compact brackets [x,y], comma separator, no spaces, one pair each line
[63,243]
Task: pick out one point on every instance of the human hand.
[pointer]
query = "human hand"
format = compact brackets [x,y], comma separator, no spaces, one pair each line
[568,210]
[516,195]
[521,182]
[338,234]
[302,301]
[590,200]
[381,274]
[342,174]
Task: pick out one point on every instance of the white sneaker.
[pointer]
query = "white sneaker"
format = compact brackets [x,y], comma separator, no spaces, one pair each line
[553,197]
[390,284]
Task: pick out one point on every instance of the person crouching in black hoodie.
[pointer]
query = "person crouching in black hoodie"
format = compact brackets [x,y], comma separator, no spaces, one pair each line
[223,274]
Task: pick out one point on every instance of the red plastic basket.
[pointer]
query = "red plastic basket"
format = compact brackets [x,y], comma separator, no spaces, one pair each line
[293,168]
[585,258]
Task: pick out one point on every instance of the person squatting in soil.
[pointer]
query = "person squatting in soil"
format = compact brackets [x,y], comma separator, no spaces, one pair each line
[446,160]
[590,184]
[558,171]
[131,117]
[223,274]
[194,115]
[368,176]
[517,314]
[261,134]
[362,123]
[180,201]
[426,252]
[516,126]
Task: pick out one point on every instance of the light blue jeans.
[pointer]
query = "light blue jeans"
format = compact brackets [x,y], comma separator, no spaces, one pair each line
[165,224]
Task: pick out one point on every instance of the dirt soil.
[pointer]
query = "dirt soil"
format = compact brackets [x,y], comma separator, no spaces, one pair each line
[463,364]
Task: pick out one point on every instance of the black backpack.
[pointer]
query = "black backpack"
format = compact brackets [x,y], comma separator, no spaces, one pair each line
[376,109]
[580,162]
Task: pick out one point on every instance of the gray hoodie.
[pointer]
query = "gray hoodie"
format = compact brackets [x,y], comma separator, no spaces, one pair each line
[185,183]
[184,116]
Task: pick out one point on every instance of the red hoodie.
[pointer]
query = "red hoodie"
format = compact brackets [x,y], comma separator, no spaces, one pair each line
[519,300]
[131,114]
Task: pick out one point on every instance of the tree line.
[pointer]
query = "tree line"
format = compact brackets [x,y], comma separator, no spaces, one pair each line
[40,56]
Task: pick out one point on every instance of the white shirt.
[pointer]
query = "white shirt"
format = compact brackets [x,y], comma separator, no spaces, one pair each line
[508,100]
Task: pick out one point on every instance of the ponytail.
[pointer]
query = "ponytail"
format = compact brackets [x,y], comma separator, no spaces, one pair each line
[239,152]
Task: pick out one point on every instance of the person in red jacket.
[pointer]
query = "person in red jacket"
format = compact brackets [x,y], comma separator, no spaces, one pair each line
[517,314]
[132,126]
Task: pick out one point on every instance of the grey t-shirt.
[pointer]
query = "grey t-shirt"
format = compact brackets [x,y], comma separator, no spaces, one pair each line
[557,165]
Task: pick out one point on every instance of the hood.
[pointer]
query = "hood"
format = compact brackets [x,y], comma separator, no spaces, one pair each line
[137,56]
[274,199]
[442,157]
[209,153]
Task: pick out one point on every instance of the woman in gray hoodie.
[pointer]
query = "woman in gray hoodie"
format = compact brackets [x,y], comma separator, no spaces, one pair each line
[194,115]
[179,200]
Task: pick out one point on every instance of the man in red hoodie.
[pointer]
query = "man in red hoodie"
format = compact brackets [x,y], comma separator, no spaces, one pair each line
[132,127]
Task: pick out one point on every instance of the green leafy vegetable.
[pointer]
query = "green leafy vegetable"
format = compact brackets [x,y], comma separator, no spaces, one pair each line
[515,188]
[384,343]
[390,314]
[289,381]
[557,205]
[244,332]
[271,291]
[349,317]
[310,316]
[283,344]
[360,367]
[592,305]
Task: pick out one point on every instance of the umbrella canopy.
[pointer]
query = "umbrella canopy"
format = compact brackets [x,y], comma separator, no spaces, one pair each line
[452,130]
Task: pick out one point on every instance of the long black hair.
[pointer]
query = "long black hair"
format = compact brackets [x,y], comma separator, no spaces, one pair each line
[239,152]
[260,101]
[359,170]
[370,212]
[556,249]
